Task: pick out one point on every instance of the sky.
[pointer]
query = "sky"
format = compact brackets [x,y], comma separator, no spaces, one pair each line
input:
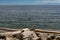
[29,2]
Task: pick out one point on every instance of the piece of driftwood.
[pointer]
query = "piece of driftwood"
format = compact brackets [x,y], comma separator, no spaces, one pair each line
[47,31]
[8,29]
[36,30]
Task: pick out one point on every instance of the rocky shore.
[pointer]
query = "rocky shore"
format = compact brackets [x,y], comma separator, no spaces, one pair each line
[29,34]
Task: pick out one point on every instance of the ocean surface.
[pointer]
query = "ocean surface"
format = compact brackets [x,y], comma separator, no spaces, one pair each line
[22,16]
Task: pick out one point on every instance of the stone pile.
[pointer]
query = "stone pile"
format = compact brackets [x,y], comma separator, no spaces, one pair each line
[29,34]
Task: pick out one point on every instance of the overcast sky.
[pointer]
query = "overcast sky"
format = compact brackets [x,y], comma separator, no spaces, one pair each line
[29,2]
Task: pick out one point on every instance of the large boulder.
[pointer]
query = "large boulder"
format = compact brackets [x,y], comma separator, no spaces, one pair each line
[29,35]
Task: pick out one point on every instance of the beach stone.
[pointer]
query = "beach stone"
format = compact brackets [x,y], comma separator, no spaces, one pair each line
[51,37]
[57,38]
[43,36]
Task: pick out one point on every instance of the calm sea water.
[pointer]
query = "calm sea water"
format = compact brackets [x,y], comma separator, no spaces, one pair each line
[19,16]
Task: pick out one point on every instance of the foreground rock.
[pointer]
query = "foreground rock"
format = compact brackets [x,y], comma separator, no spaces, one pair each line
[30,34]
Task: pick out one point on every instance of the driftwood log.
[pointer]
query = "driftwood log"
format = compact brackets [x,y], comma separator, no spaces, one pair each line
[9,35]
[36,30]
[47,31]
[8,29]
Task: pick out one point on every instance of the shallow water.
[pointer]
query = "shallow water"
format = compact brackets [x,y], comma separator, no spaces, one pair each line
[20,16]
